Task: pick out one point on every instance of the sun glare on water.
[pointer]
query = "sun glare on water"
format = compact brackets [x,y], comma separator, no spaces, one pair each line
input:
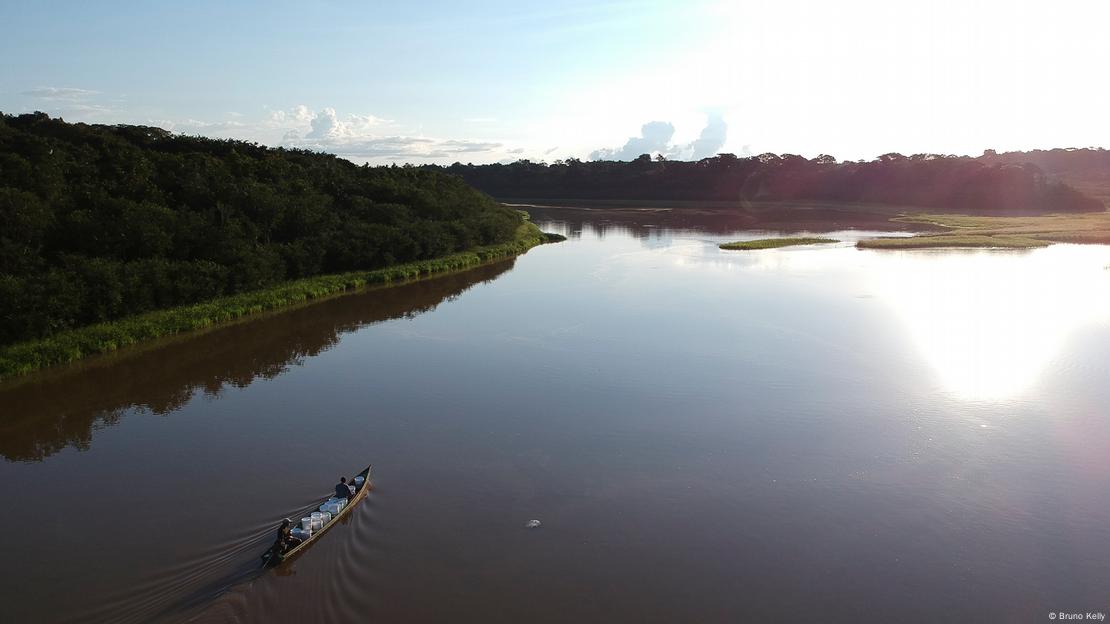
[990,322]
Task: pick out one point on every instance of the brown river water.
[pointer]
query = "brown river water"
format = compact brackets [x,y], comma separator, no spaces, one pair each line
[808,434]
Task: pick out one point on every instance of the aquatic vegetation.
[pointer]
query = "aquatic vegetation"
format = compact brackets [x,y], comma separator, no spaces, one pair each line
[772,243]
[1007,232]
[953,240]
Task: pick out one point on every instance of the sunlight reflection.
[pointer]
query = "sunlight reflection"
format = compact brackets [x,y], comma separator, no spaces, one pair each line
[989,322]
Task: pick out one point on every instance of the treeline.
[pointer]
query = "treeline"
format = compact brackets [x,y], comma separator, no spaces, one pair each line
[100,222]
[924,180]
[1073,162]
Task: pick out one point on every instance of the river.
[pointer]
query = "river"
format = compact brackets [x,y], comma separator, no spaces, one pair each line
[802,434]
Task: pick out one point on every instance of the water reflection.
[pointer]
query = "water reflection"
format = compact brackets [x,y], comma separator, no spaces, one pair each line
[660,225]
[988,322]
[44,414]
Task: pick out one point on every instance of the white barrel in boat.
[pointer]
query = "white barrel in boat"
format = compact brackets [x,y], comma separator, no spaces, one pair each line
[358,480]
[327,516]
[306,523]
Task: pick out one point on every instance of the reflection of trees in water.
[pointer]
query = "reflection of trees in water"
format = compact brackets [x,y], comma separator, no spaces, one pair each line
[655,223]
[42,416]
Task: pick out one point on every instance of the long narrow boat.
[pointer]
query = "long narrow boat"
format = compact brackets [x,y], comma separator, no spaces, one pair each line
[360,493]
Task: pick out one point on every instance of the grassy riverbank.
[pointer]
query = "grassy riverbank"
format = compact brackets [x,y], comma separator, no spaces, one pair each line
[772,243]
[72,345]
[1000,232]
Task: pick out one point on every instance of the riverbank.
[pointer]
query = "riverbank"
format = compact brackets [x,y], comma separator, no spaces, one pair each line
[774,243]
[75,344]
[999,232]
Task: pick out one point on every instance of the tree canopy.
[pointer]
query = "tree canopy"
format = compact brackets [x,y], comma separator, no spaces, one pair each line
[945,183]
[99,222]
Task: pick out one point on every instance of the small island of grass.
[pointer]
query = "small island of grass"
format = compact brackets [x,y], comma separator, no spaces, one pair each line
[773,243]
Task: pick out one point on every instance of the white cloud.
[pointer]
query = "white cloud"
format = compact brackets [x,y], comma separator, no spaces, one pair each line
[327,125]
[711,139]
[656,138]
[358,137]
[60,93]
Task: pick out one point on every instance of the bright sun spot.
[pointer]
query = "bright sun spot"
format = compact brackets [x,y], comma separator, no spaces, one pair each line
[990,322]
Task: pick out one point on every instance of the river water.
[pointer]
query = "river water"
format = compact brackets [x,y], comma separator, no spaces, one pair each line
[819,433]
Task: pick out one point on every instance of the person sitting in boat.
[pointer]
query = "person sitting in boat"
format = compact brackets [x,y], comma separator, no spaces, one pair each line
[342,490]
[285,540]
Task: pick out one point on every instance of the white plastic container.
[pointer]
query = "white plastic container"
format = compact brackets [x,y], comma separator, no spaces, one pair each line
[306,523]
[358,480]
[327,517]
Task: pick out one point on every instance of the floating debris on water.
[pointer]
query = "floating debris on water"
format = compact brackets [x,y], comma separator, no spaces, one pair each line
[532,524]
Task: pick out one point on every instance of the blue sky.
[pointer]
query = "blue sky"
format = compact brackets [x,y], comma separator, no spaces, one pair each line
[491,81]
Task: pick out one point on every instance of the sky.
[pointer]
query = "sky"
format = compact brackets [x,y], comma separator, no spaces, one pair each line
[496,81]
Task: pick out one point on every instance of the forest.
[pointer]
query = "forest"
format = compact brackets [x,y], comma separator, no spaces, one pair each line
[935,182]
[101,222]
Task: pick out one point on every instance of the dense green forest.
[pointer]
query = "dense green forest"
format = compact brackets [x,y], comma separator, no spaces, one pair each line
[949,183]
[100,222]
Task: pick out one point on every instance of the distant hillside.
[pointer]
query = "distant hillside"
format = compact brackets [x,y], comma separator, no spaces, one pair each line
[938,183]
[100,222]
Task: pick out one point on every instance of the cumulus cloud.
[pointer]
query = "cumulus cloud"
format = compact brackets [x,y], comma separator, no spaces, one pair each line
[297,114]
[327,125]
[357,137]
[655,138]
[711,139]
[60,93]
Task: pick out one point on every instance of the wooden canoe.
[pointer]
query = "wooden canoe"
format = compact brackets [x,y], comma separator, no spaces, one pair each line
[360,493]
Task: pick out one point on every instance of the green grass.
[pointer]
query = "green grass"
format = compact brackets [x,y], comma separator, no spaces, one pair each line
[71,345]
[772,243]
